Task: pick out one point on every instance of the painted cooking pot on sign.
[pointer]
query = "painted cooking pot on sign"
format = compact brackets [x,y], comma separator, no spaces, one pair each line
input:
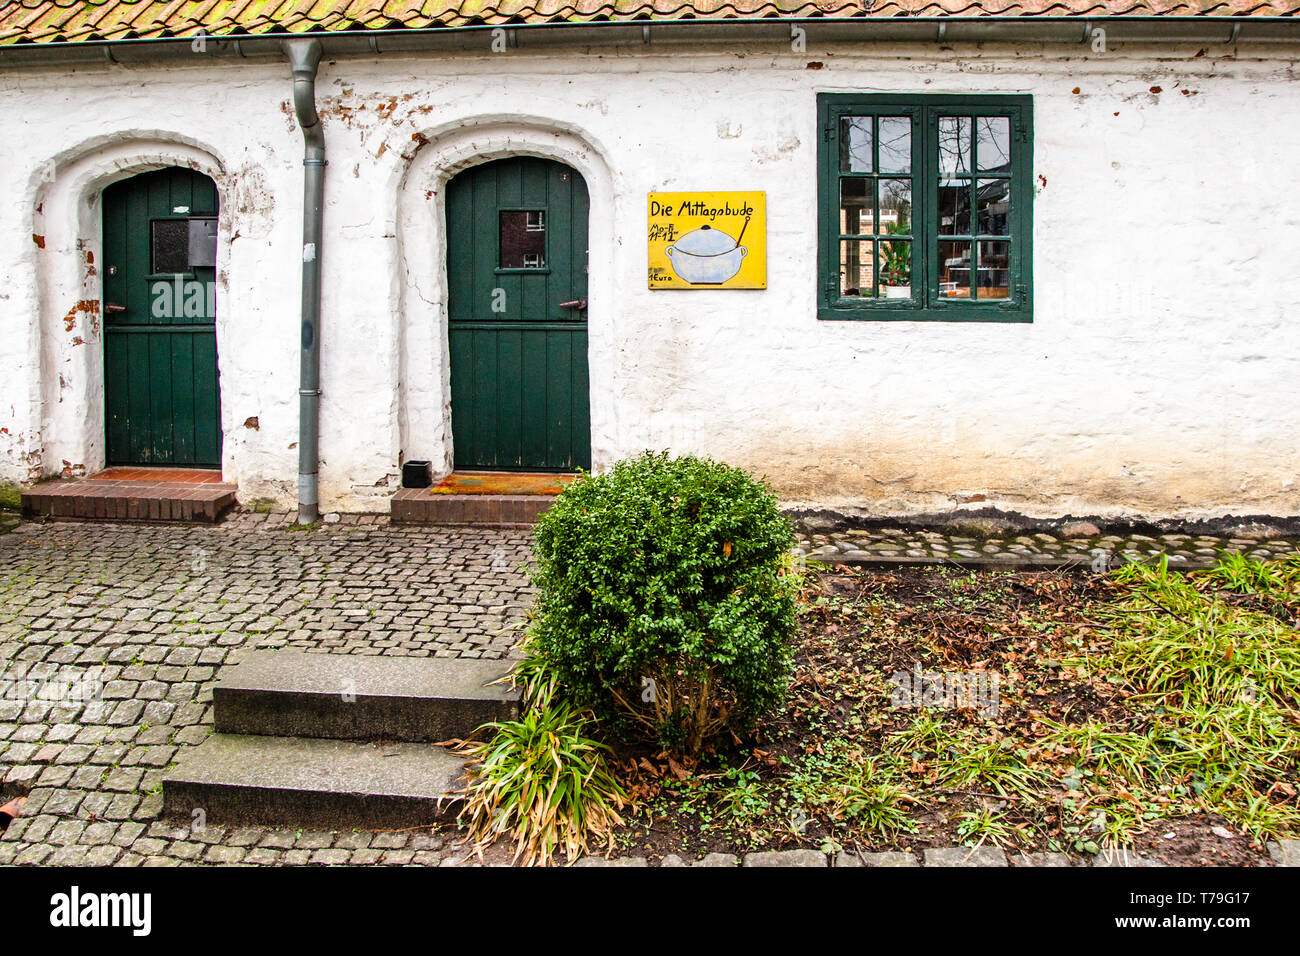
[706,256]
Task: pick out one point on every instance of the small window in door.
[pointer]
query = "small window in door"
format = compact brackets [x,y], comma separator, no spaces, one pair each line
[523,239]
[171,246]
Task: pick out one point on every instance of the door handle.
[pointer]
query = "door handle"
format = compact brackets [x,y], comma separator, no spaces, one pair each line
[112,307]
[579,304]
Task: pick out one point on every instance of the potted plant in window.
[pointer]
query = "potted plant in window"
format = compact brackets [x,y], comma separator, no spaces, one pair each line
[896,263]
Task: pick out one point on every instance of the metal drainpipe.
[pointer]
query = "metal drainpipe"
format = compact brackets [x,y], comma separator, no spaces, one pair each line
[304,57]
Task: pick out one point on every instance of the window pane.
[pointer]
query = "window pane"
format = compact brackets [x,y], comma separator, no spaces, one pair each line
[856,269]
[993,143]
[954,270]
[523,239]
[954,145]
[896,206]
[895,266]
[993,200]
[954,207]
[994,282]
[855,144]
[171,245]
[856,214]
[895,144]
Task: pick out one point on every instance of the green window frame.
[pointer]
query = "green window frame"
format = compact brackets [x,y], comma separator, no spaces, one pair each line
[925,207]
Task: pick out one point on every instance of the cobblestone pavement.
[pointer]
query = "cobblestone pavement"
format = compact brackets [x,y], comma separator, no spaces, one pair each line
[152,612]
[1082,545]
[128,625]
[356,588]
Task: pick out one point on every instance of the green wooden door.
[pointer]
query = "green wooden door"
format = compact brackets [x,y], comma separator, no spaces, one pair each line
[517,289]
[161,402]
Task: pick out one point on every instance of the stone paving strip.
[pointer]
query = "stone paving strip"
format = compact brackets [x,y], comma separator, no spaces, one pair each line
[1080,545]
[112,637]
[1283,853]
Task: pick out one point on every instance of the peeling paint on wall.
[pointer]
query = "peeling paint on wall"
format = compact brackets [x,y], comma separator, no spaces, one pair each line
[88,308]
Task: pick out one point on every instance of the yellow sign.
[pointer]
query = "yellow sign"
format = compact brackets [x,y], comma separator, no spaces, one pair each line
[708,240]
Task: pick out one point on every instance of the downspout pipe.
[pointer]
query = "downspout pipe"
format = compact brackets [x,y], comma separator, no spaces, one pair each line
[304,58]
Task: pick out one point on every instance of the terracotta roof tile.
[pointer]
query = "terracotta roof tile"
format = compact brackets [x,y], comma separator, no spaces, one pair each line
[44,21]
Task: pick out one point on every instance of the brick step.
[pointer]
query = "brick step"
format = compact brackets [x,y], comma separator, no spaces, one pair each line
[288,693]
[320,784]
[100,500]
[420,506]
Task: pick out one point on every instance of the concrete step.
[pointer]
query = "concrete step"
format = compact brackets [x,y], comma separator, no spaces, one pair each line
[420,506]
[349,697]
[316,784]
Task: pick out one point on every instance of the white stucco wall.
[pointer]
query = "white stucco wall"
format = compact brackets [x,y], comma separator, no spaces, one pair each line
[1160,377]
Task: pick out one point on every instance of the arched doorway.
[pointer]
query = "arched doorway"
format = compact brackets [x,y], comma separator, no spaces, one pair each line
[161,392]
[517,316]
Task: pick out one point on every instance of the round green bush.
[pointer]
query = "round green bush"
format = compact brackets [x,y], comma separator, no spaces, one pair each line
[667,597]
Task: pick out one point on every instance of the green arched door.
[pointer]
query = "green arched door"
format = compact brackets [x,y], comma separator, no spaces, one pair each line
[517,291]
[161,398]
